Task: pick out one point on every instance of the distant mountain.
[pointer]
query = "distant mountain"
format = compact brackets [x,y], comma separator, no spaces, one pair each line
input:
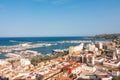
[114,37]
[107,36]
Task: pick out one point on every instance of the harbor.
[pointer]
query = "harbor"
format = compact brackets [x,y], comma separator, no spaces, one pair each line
[83,61]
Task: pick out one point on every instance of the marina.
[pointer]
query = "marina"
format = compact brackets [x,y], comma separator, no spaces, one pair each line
[75,61]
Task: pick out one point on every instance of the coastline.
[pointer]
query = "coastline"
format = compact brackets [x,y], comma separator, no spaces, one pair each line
[48,45]
[78,58]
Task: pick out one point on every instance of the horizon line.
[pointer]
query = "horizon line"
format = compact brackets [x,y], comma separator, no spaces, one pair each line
[39,36]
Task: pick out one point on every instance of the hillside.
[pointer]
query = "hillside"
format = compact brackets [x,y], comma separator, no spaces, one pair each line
[114,37]
[107,36]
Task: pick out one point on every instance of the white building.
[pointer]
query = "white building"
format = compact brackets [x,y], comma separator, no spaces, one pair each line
[106,78]
[115,73]
[99,60]
[100,45]
[118,50]
[91,47]
[25,62]
[4,63]
[79,47]
[112,63]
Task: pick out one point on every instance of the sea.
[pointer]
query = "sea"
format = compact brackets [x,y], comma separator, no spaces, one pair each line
[57,42]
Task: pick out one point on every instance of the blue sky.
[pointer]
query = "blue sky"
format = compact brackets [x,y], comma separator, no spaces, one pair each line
[58,17]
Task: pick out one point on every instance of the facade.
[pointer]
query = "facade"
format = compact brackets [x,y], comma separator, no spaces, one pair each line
[112,63]
[25,62]
[71,50]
